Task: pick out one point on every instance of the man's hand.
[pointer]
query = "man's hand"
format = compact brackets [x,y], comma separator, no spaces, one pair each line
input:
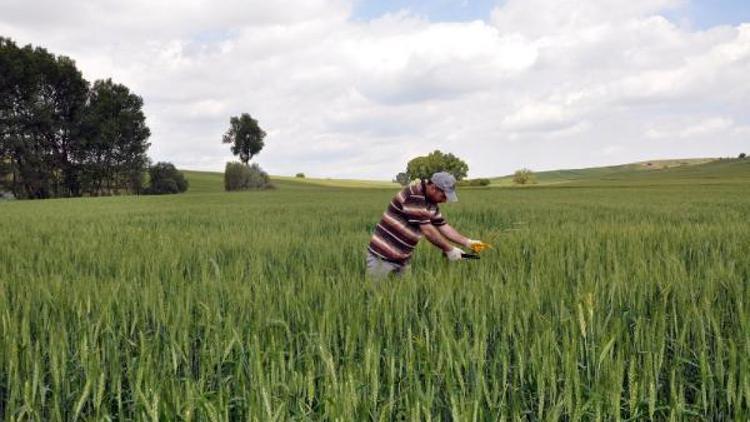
[454,254]
[477,245]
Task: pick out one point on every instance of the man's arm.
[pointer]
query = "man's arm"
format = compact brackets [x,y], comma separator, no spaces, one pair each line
[453,235]
[435,237]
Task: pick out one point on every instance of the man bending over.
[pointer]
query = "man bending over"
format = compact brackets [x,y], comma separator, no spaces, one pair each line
[414,213]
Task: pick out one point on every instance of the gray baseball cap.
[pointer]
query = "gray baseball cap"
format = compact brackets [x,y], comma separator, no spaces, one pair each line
[446,183]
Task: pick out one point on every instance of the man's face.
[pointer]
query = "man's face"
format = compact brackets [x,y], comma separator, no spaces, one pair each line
[435,194]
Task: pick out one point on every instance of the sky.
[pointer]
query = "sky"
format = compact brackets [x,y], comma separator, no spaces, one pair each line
[355,88]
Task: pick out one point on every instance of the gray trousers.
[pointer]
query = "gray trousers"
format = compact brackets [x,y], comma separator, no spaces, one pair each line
[378,268]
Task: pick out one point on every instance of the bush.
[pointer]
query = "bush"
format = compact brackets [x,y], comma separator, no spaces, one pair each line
[742,156]
[474,182]
[300,175]
[235,176]
[402,179]
[523,177]
[164,178]
[238,176]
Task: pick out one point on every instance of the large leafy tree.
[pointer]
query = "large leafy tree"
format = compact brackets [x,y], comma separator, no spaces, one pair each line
[68,100]
[41,101]
[424,167]
[58,137]
[114,139]
[245,136]
[18,87]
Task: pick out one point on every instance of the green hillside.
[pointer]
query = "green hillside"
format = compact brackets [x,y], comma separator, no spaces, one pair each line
[691,171]
[338,183]
[204,181]
[717,171]
[704,170]
[207,182]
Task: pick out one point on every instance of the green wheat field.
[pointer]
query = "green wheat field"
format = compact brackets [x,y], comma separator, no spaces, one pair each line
[619,296]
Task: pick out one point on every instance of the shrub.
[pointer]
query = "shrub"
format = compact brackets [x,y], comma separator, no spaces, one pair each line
[523,177]
[235,176]
[741,156]
[300,175]
[238,176]
[474,182]
[402,179]
[164,178]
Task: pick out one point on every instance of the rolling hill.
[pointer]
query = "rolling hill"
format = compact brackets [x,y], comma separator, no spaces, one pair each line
[688,171]
[206,182]
[607,172]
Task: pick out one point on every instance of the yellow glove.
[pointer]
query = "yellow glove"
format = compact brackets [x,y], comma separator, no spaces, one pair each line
[477,245]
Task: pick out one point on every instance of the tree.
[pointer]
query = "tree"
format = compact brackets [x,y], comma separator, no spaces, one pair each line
[164,178]
[41,100]
[6,180]
[742,156]
[68,100]
[114,139]
[61,137]
[19,89]
[523,176]
[300,175]
[424,167]
[402,179]
[245,136]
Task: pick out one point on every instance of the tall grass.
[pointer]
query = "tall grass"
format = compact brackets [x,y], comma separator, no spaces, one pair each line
[595,304]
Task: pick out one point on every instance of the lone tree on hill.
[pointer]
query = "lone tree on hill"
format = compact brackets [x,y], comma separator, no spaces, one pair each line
[245,136]
[523,177]
[424,167]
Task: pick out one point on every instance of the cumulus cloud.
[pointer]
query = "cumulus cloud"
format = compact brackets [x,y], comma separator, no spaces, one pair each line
[541,84]
[540,18]
[691,129]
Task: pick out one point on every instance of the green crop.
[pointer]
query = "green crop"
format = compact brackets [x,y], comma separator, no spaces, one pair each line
[594,303]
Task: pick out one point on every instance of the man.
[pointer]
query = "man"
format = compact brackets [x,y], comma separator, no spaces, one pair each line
[414,213]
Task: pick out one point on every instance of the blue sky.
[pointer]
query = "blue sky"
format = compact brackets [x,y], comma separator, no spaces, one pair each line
[698,14]
[435,10]
[707,13]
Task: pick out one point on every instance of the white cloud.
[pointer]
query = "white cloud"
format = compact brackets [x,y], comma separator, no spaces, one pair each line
[541,18]
[687,129]
[539,117]
[544,84]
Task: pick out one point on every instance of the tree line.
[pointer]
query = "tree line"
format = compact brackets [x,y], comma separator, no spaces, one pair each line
[61,136]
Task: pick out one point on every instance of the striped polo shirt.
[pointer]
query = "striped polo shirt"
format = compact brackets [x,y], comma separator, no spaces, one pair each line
[397,233]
